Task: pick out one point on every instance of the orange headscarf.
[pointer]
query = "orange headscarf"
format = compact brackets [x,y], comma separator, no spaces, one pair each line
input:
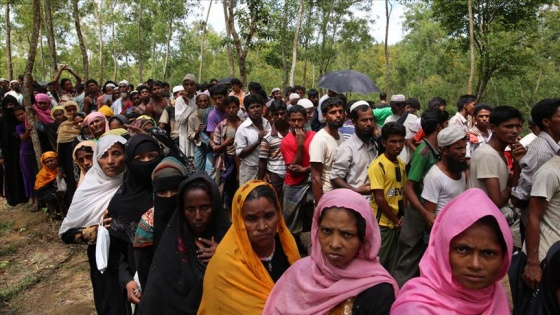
[235,281]
[46,175]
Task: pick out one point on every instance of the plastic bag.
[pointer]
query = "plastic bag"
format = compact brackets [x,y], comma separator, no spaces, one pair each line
[61,183]
[102,248]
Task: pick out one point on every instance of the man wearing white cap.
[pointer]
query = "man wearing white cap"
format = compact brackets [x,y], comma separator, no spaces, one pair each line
[184,107]
[355,154]
[294,98]
[275,94]
[117,105]
[168,115]
[309,109]
[15,91]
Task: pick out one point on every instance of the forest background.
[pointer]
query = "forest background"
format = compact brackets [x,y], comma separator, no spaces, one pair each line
[506,52]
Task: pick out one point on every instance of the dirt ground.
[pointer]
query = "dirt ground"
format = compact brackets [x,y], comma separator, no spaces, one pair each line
[39,274]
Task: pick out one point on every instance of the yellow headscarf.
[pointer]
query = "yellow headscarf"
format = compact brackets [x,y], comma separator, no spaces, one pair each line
[235,281]
[59,107]
[106,110]
[46,175]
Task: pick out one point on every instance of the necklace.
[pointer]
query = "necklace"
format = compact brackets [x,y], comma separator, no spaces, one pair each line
[268,259]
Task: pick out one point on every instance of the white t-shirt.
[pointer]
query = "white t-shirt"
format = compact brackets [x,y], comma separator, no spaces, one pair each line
[440,188]
[487,163]
[322,149]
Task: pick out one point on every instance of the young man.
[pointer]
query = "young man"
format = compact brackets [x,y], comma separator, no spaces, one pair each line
[322,150]
[184,107]
[387,178]
[297,199]
[64,90]
[402,116]
[157,103]
[272,167]
[546,115]
[93,93]
[411,246]
[479,133]
[489,169]
[237,90]
[354,155]
[248,138]
[465,107]
[310,109]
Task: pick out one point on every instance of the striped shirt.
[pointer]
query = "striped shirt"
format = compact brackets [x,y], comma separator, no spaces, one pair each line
[270,150]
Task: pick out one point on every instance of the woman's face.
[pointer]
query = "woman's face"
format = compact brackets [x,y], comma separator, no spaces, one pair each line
[78,121]
[338,236]
[43,105]
[146,156]
[476,257]
[84,159]
[115,123]
[71,110]
[198,209]
[20,115]
[51,163]
[148,126]
[261,221]
[112,161]
[58,115]
[97,126]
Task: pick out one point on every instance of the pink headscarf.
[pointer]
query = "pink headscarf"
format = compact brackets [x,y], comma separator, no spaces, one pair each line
[435,291]
[44,115]
[312,285]
[89,119]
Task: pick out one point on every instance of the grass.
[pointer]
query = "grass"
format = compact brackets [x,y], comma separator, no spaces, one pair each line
[8,250]
[5,227]
[12,291]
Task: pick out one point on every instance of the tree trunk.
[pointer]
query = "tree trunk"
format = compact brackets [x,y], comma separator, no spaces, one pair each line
[43,62]
[472,48]
[228,33]
[283,45]
[388,9]
[76,14]
[9,43]
[28,78]
[202,43]
[139,43]
[100,35]
[306,45]
[296,39]
[115,63]
[241,54]
[50,35]
[168,47]
[324,35]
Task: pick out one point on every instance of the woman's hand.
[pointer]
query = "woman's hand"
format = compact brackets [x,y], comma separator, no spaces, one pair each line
[206,253]
[133,292]
[107,219]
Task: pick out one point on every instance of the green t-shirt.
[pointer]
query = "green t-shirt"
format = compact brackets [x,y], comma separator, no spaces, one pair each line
[422,160]
[380,114]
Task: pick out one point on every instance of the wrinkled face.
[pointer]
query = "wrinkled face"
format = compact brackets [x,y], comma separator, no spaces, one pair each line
[202,101]
[71,110]
[476,257]
[198,209]
[97,126]
[20,115]
[482,118]
[189,86]
[58,115]
[255,111]
[112,162]
[508,131]
[338,236]
[84,159]
[261,221]
[51,163]
[297,121]
[335,116]
[393,145]
[123,87]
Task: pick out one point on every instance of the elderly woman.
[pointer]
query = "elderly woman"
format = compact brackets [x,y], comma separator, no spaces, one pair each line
[189,241]
[97,123]
[85,214]
[343,274]
[255,252]
[468,254]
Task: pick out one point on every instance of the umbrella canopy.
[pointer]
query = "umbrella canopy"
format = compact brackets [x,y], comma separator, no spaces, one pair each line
[344,81]
[225,81]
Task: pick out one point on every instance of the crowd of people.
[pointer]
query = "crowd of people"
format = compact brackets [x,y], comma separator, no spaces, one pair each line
[198,198]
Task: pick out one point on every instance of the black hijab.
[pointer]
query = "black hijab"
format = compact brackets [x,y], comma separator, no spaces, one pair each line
[9,122]
[135,196]
[175,279]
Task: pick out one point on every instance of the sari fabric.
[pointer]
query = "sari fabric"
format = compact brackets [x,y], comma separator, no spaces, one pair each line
[314,286]
[236,281]
[44,115]
[46,175]
[435,291]
[86,143]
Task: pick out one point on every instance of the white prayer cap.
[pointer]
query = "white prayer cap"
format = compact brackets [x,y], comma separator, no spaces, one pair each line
[178,88]
[294,96]
[358,103]
[305,103]
[190,77]
[123,82]
[398,98]
[449,135]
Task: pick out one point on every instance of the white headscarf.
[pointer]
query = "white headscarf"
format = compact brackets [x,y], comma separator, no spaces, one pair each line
[96,191]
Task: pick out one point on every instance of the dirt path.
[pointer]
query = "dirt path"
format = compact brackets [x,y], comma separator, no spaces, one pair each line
[38,273]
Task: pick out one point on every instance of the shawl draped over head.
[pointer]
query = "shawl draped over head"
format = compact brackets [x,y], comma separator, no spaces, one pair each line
[141,121]
[44,115]
[92,116]
[314,286]
[59,107]
[168,175]
[9,123]
[134,197]
[66,131]
[435,291]
[46,175]
[106,110]
[236,280]
[96,191]
[86,143]
[175,279]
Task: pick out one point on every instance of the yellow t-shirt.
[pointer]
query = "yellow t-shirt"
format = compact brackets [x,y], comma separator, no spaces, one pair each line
[391,177]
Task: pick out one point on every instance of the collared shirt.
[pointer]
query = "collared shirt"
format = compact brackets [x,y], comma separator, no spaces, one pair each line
[352,160]
[247,134]
[323,150]
[459,120]
[539,151]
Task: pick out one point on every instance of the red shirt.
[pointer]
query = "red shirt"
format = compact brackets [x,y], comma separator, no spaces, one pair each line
[289,148]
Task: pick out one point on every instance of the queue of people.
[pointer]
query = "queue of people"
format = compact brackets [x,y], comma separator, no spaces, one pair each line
[200,201]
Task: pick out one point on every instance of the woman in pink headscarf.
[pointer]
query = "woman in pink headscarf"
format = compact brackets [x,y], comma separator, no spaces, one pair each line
[42,107]
[469,253]
[97,123]
[343,274]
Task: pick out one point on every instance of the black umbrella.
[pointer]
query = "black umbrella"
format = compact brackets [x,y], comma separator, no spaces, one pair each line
[344,81]
[225,81]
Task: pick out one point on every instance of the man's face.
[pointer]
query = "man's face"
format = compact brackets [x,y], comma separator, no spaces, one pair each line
[15,86]
[397,108]
[92,87]
[456,152]
[297,121]
[469,107]
[50,88]
[255,111]
[300,93]
[364,124]
[156,91]
[335,116]
[67,86]
[123,87]
[277,95]
[5,84]
[189,86]
[145,94]
[280,117]
[508,131]
[202,101]
[136,99]
[310,112]
[393,145]
[231,109]
[482,119]
[314,99]
[236,88]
